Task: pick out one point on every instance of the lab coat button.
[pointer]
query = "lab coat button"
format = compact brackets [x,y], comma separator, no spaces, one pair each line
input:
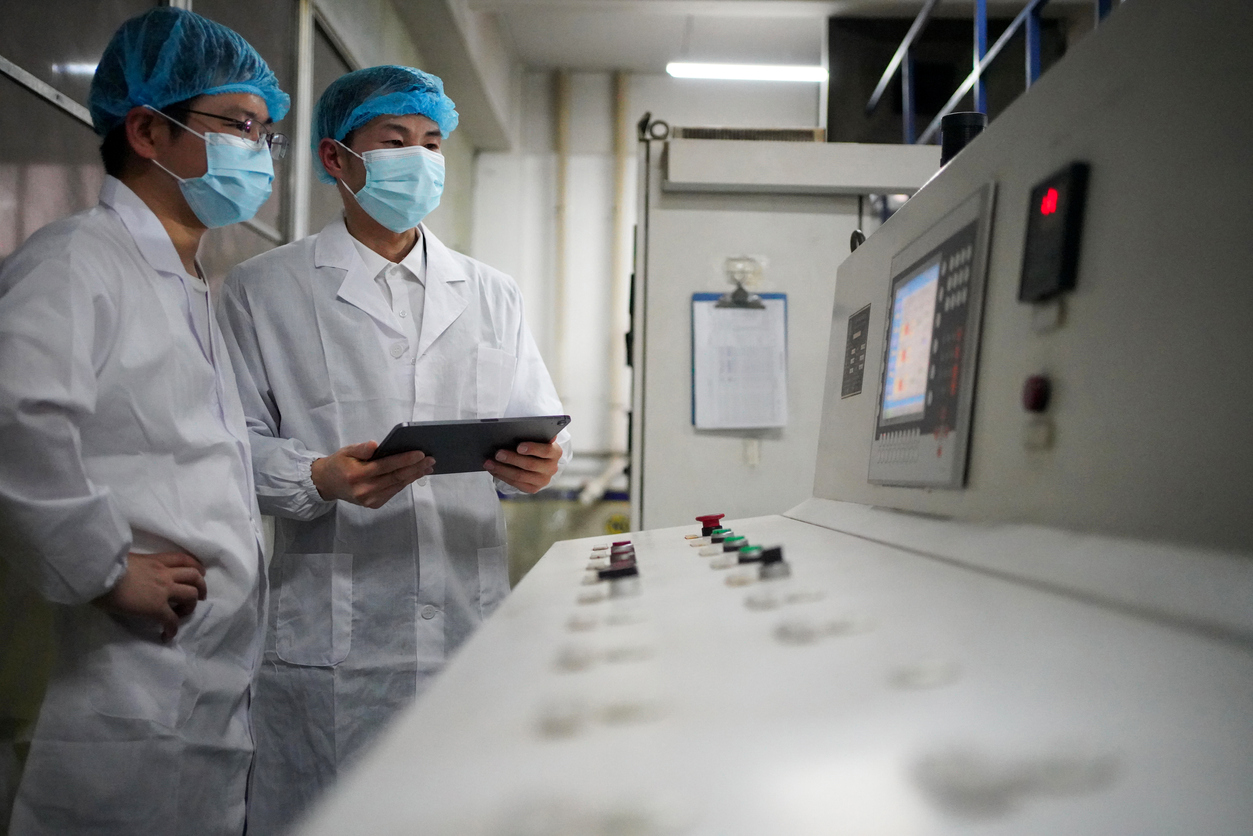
[428,612]
[403,314]
[398,349]
[423,482]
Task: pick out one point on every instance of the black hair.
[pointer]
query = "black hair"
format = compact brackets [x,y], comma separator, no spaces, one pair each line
[115,149]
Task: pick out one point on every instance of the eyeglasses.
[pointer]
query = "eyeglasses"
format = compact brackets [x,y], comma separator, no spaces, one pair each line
[277,143]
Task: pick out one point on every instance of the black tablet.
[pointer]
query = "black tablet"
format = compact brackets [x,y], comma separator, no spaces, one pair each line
[463,446]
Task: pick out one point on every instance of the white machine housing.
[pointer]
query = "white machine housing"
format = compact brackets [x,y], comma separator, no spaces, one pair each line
[791,205]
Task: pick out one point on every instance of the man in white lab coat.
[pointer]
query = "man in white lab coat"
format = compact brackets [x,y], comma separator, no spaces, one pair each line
[337,338]
[126,497]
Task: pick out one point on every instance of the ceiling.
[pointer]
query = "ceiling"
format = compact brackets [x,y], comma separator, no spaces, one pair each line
[643,35]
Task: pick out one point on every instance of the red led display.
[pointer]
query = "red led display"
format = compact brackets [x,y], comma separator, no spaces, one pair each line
[1049,205]
[1050,257]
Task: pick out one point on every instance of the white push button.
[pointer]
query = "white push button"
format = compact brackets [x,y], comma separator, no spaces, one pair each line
[424,481]
[428,612]
[403,314]
[398,349]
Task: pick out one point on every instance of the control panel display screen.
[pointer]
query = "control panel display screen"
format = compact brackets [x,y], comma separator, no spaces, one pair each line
[930,340]
[909,349]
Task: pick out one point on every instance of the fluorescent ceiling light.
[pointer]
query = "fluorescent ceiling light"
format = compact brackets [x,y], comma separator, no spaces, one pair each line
[75,68]
[747,72]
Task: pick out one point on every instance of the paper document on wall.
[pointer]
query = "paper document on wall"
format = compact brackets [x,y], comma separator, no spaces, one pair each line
[739,364]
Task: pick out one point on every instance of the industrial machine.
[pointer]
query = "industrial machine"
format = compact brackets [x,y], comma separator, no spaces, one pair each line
[1020,597]
[776,215]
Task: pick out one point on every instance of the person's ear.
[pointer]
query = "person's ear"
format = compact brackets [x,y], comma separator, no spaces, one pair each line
[145,131]
[329,153]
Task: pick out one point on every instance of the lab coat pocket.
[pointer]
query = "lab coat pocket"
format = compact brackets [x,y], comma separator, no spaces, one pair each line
[101,786]
[494,381]
[132,674]
[493,578]
[314,615]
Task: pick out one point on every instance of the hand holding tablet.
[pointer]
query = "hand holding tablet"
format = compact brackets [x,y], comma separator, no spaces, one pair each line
[352,475]
[467,446]
[529,468]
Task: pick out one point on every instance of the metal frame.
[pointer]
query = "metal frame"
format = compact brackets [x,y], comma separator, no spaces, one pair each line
[980,52]
[332,34]
[302,155]
[1032,7]
[45,91]
[1029,20]
[907,96]
[903,60]
[309,19]
[1032,29]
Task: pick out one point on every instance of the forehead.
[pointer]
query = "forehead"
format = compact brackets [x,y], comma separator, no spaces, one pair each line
[238,105]
[411,123]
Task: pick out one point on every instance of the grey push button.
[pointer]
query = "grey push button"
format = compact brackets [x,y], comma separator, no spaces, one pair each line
[429,611]
[398,349]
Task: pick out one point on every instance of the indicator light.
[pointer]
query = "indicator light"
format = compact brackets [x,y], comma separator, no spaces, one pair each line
[1049,204]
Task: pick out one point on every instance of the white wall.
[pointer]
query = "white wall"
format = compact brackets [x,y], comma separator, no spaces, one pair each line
[371,31]
[515,207]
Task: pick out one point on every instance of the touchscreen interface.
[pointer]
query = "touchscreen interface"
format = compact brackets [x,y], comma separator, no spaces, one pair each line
[909,349]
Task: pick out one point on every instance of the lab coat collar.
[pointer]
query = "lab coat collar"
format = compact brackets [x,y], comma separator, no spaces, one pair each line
[446,291]
[334,248]
[376,264]
[445,282]
[142,223]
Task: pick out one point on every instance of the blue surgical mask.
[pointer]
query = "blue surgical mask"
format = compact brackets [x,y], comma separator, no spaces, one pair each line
[236,183]
[402,185]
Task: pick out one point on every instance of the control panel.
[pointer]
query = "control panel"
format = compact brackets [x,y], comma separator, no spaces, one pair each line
[934,308]
[772,675]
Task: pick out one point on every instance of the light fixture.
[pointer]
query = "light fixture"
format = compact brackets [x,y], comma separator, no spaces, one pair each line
[75,68]
[747,72]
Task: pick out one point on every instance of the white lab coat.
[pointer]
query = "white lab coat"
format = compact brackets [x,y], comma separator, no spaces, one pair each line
[367,604]
[123,432]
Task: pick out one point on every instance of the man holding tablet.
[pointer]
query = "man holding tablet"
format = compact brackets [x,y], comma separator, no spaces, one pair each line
[379,572]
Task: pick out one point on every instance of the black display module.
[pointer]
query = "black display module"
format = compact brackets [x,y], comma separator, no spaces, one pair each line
[1050,257]
[855,353]
[926,333]
[930,345]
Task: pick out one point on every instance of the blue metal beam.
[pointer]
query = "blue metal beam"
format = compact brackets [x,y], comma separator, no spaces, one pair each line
[907,98]
[915,31]
[981,49]
[955,99]
[1033,47]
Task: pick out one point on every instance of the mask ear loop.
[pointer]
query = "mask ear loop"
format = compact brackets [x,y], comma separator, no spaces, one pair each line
[348,188]
[187,128]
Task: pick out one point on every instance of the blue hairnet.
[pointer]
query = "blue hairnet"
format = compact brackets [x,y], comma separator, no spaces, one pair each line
[167,55]
[354,99]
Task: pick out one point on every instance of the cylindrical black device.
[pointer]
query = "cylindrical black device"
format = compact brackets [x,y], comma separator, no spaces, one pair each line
[957,129]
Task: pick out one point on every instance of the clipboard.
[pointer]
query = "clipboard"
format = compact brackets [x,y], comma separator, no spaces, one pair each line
[739,361]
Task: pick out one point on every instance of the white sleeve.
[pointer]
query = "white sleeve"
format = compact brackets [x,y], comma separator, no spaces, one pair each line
[281,466]
[59,530]
[533,393]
